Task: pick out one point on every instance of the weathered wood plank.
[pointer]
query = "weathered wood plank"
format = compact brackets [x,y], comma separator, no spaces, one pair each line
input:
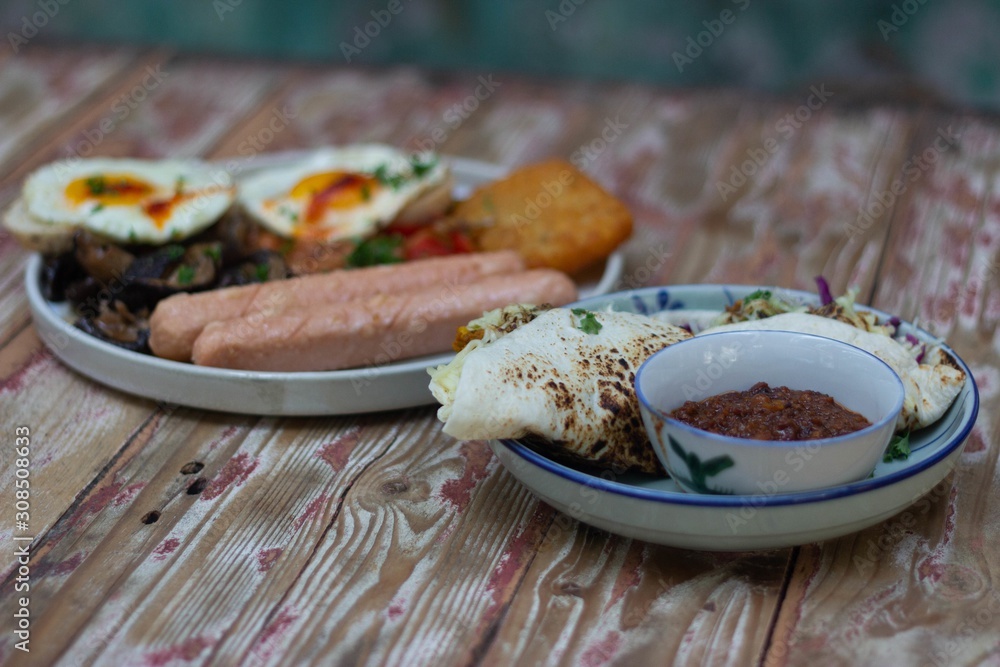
[181,109]
[403,574]
[377,538]
[787,220]
[594,598]
[40,88]
[197,561]
[76,428]
[917,588]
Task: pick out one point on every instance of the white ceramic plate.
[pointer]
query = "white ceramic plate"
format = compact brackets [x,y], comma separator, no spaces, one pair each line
[392,386]
[656,510]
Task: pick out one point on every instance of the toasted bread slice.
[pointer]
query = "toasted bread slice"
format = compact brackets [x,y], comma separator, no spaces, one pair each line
[45,237]
[431,204]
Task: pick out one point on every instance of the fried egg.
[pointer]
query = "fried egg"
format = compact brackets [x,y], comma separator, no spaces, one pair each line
[134,201]
[335,193]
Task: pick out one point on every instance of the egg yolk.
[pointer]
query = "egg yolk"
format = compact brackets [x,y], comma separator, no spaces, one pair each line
[333,190]
[109,189]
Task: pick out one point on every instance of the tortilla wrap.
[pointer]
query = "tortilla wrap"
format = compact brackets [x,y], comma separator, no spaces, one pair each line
[568,392]
[931,387]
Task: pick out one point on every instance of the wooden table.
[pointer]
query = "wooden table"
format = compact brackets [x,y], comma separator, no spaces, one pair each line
[376,538]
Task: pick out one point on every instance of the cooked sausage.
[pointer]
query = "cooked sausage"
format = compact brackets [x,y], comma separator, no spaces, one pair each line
[178,320]
[372,331]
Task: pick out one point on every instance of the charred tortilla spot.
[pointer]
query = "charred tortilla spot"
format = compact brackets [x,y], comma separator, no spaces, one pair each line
[610,403]
[948,360]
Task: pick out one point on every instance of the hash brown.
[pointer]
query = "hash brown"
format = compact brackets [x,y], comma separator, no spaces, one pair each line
[551,213]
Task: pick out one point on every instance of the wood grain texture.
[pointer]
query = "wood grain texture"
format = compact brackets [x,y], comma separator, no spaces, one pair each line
[376,539]
[82,459]
[40,88]
[919,587]
[77,429]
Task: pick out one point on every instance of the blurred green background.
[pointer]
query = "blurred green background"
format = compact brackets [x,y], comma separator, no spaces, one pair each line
[945,51]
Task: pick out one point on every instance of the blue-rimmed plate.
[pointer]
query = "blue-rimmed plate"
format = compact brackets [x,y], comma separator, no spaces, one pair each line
[656,510]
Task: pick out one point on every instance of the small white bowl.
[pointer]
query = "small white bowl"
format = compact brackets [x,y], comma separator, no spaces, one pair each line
[704,366]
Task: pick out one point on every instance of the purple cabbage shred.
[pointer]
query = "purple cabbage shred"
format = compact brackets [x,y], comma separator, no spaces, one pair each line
[823,288]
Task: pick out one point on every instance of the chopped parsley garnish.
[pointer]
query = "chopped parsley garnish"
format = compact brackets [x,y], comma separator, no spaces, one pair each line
[377,250]
[899,448]
[263,271]
[420,167]
[97,207]
[759,294]
[174,252]
[394,181]
[588,322]
[179,184]
[289,213]
[214,252]
[96,185]
[185,274]
[366,192]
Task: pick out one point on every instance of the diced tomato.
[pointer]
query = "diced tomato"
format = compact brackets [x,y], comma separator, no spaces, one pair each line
[425,245]
[461,243]
[404,229]
[429,243]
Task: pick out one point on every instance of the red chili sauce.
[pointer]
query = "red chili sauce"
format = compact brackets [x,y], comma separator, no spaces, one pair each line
[766,413]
